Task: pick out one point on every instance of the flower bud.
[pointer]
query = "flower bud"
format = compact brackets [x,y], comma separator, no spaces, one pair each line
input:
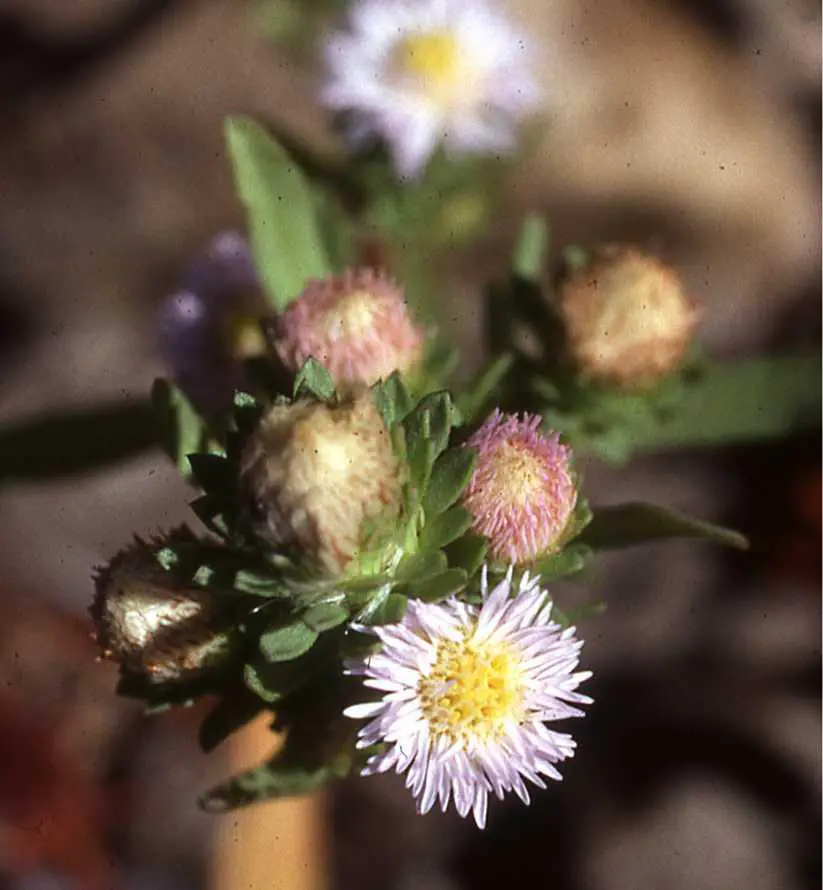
[312,474]
[627,321]
[522,493]
[356,324]
[151,626]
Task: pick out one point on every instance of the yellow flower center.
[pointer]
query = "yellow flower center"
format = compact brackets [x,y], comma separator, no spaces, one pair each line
[472,690]
[518,475]
[434,61]
[352,316]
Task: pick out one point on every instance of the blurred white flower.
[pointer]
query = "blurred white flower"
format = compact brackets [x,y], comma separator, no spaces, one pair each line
[467,693]
[423,72]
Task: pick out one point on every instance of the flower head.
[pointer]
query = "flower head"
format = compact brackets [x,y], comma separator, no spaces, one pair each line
[430,71]
[151,625]
[627,320]
[357,324]
[312,475]
[522,492]
[200,325]
[467,693]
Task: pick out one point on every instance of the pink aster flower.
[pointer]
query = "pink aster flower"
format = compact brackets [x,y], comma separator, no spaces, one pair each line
[523,492]
[357,324]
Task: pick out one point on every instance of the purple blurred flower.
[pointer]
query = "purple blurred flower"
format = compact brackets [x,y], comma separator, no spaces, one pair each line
[197,325]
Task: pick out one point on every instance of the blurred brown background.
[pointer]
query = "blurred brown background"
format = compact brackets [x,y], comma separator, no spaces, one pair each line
[691,127]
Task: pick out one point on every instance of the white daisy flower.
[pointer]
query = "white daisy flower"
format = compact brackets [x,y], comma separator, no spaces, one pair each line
[467,694]
[421,72]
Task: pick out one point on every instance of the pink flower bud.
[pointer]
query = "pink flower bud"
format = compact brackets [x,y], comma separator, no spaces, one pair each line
[356,324]
[523,492]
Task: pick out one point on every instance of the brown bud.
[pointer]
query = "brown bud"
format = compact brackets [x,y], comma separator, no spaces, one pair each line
[627,321]
[313,474]
[150,625]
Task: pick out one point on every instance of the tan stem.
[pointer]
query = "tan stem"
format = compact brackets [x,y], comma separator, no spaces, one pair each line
[270,846]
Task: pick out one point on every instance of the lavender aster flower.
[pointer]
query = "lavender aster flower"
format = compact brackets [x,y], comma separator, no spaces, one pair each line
[467,692]
[197,325]
[522,492]
[430,71]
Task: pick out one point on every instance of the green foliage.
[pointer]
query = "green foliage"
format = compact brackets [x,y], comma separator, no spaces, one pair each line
[286,242]
[313,380]
[178,426]
[287,642]
[637,523]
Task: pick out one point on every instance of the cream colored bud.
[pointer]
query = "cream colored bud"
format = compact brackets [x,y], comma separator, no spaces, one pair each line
[314,474]
[151,626]
[628,322]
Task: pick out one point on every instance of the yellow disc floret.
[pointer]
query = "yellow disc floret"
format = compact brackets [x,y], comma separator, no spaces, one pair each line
[433,60]
[472,691]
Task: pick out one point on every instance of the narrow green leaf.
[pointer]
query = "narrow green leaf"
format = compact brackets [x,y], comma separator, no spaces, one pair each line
[313,379]
[744,401]
[420,565]
[445,528]
[637,523]
[288,642]
[530,251]
[450,475]
[284,234]
[438,587]
[475,399]
[178,425]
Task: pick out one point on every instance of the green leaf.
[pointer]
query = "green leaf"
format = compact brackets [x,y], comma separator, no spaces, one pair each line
[637,523]
[438,587]
[325,616]
[284,234]
[392,399]
[178,425]
[420,565]
[420,457]
[440,409]
[61,443]
[750,400]
[450,475]
[291,772]
[530,251]
[427,433]
[389,611]
[288,642]
[232,712]
[445,528]
[259,584]
[472,402]
[468,553]
[569,561]
[313,379]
